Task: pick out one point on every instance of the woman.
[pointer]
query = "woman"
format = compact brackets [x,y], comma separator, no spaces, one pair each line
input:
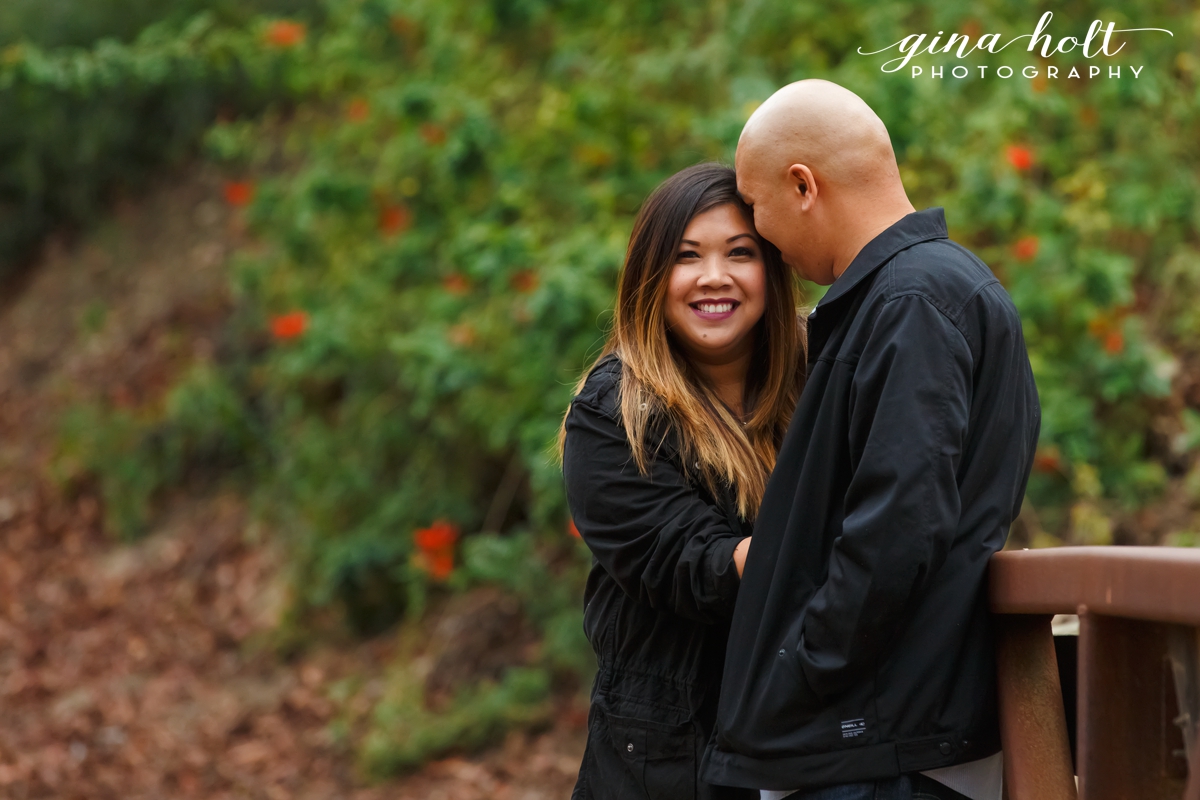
[666,451]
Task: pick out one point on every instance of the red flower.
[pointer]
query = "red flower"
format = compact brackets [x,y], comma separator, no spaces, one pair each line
[1026,248]
[1019,157]
[290,325]
[285,33]
[1114,342]
[358,110]
[462,335]
[440,565]
[433,134]
[524,281]
[441,535]
[435,546]
[1047,460]
[571,529]
[403,26]
[394,219]
[239,193]
[455,283]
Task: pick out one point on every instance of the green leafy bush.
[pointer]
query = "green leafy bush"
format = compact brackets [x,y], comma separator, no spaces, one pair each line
[79,125]
[404,732]
[81,23]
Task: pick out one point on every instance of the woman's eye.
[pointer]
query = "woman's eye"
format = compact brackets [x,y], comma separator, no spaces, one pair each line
[688,254]
[741,251]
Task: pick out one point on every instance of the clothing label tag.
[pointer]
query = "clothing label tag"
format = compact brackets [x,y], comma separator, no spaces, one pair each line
[853,727]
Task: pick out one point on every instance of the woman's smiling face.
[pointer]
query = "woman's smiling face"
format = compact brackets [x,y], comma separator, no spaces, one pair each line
[715,295]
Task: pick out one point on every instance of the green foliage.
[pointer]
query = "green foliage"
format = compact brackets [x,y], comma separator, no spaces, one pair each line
[203,431]
[79,125]
[72,23]
[551,598]
[404,731]
[405,734]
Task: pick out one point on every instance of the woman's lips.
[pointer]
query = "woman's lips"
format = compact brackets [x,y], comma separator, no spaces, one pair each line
[715,310]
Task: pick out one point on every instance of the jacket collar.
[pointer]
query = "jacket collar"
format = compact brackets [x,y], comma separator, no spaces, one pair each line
[919,226]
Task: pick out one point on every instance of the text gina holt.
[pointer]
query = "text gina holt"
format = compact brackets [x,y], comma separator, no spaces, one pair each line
[914,44]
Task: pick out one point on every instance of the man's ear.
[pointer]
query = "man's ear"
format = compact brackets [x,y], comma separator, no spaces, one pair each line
[801,180]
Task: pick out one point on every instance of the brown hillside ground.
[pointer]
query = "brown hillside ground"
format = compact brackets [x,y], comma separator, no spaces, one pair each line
[145,670]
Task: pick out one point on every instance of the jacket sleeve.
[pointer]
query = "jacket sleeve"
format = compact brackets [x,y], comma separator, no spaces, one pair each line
[909,408]
[664,545]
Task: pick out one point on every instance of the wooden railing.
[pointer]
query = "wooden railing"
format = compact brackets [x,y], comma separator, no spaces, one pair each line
[1138,681]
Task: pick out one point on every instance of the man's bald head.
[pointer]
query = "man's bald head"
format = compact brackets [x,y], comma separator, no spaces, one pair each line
[818,167]
[823,125]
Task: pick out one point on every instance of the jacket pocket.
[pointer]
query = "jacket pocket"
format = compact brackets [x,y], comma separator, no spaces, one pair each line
[660,756]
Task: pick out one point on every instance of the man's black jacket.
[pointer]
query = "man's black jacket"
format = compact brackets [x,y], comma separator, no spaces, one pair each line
[658,602]
[861,646]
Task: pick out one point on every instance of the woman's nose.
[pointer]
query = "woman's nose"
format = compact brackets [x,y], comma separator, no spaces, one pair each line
[713,272]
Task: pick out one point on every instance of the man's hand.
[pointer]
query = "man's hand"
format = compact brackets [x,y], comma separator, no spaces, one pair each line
[739,555]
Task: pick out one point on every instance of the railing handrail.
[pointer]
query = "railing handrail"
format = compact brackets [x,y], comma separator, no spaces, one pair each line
[1160,584]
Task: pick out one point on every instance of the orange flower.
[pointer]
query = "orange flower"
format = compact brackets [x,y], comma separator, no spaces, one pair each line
[290,325]
[122,397]
[239,193]
[1039,83]
[521,313]
[403,26]
[1019,157]
[284,33]
[462,335]
[571,529]
[440,565]
[433,134]
[524,281]
[394,219]
[457,284]
[1026,248]
[358,110]
[435,546]
[441,535]
[1114,342]
[971,28]
[1047,459]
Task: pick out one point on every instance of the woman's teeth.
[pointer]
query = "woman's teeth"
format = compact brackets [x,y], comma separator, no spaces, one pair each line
[715,308]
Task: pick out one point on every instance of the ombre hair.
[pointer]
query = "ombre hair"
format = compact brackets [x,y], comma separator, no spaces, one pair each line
[657,379]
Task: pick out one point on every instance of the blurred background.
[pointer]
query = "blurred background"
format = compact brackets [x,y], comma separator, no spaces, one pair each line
[294,293]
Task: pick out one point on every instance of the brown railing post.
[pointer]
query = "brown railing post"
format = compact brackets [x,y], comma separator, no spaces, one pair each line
[1192,792]
[1124,724]
[1033,726]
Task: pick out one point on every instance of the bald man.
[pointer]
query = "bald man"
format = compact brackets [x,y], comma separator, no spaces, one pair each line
[860,663]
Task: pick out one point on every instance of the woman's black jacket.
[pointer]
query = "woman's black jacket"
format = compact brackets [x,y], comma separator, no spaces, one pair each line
[657,604]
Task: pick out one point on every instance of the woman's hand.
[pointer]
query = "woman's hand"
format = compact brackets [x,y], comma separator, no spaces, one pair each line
[739,555]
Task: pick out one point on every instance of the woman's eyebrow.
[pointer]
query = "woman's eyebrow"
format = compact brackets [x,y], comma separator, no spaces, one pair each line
[689,241]
[739,236]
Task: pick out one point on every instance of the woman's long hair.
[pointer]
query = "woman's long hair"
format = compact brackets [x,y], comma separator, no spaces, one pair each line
[658,381]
